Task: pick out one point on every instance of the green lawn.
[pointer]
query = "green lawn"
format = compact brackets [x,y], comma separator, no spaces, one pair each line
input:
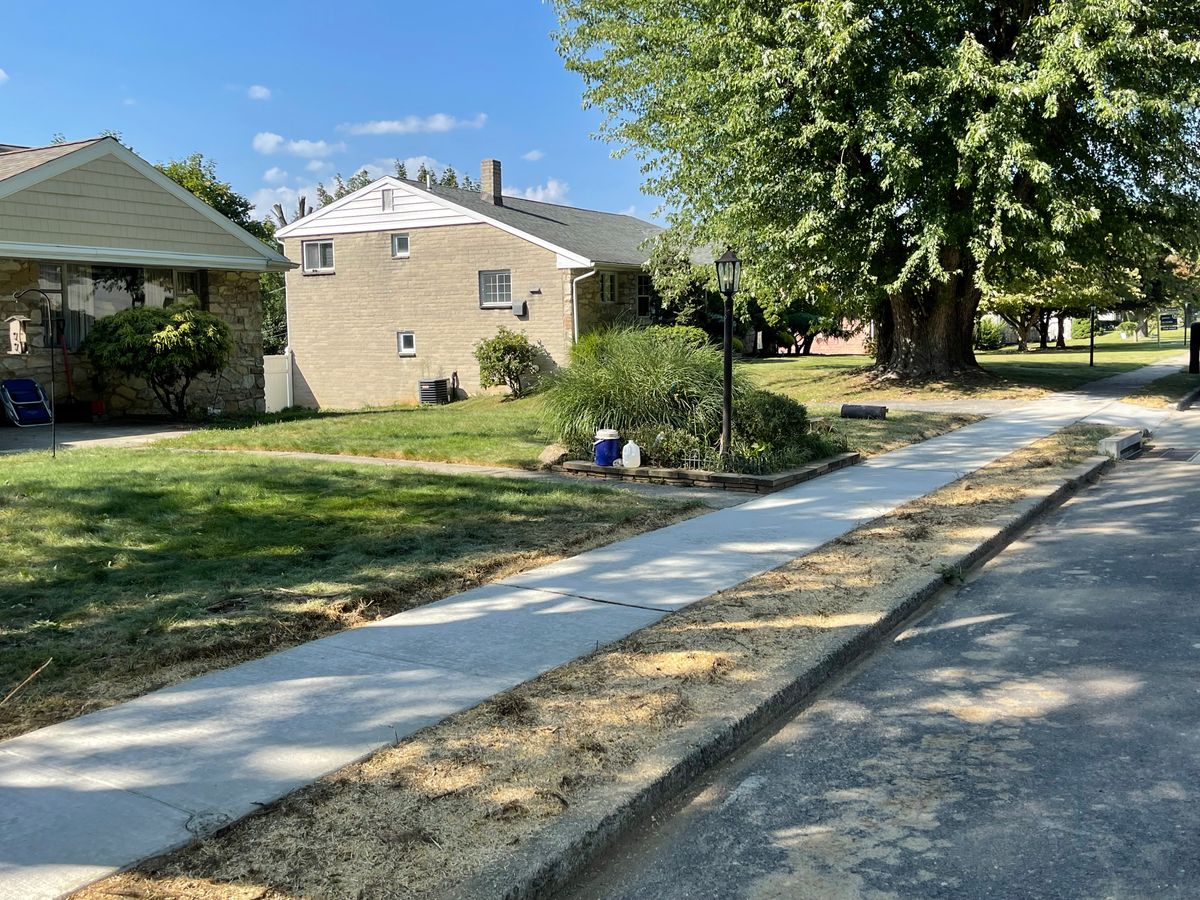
[1008,374]
[901,427]
[487,431]
[484,430]
[133,569]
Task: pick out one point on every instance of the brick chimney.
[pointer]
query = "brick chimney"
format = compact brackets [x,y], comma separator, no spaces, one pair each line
[490,186]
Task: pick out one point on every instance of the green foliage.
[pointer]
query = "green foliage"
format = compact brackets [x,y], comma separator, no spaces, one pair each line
[918,154]
[168,348]
[633,379]
[199,175]
[689,334]
[342,187]
[768,419]
[508,358]
[274,311]
[1127,329]
[989,334]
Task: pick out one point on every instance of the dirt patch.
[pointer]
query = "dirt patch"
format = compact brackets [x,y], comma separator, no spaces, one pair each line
[438,807]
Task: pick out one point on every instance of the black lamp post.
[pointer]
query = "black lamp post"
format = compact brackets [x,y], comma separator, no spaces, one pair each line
[729,277]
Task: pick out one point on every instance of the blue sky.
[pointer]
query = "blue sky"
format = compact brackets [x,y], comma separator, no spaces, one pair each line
[283,95]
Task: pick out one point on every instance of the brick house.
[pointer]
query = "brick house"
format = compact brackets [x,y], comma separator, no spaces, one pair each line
[399,280]
[97,229]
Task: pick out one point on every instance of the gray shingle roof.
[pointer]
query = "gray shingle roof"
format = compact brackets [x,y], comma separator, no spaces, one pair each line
[599,236]
[14,162]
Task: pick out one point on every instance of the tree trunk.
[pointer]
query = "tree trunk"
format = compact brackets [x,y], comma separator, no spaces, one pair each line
[1061,341]
[1043,327]
[928,333]
[806,349]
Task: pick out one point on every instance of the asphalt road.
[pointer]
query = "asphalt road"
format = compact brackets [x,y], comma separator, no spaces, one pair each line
[1037,735]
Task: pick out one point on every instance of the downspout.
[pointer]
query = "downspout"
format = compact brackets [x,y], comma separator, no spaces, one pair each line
[575,304]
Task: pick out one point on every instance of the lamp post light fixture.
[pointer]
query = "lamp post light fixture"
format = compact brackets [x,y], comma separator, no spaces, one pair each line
[729,278]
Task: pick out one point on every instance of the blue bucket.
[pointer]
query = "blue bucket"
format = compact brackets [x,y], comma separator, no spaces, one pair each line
[607,447]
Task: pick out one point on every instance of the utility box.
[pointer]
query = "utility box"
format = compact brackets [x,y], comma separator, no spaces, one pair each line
[433,391]
[18,334]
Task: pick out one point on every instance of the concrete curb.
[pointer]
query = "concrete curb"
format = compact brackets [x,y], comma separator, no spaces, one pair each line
[1186,402]
[549,860]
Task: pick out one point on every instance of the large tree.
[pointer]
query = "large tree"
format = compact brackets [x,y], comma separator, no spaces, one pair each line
[913,154]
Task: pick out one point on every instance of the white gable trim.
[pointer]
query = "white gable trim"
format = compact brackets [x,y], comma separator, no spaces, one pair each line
[566,259]
[111,147]
[131,257]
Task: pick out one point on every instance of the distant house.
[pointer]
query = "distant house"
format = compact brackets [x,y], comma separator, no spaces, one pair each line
[399,280]
[99,229]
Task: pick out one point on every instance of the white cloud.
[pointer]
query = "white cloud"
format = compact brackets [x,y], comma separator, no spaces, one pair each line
[265,198]
[553,191]
[533,155]
[129,101]
[274,175]
[317,165]
[630,210]
[258,92]
[435,124]
[267,142]
[3,76]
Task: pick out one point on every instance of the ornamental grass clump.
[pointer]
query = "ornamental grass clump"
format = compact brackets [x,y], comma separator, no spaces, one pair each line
[633,379]
[663,389]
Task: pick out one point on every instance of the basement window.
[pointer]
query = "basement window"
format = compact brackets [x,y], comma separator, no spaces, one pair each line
[317,257]
[406,343]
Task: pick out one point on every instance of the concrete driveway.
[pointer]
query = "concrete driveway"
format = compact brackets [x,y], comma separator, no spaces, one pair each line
[72,435]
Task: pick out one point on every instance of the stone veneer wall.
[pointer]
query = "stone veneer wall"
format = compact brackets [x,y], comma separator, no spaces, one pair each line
[233,296]
[593,313]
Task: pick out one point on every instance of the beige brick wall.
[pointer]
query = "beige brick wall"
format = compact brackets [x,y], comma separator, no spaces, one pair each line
[342,327]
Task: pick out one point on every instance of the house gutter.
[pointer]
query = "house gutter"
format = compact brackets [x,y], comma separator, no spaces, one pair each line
[575,304]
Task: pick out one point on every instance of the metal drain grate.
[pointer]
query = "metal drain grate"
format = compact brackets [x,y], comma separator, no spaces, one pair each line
[1171,454]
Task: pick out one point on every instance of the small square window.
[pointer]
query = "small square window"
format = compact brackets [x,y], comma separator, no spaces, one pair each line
[406,343]
[399,246]
[317,257]
[495,289]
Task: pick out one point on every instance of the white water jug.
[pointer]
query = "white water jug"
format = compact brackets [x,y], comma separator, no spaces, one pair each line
[631,456]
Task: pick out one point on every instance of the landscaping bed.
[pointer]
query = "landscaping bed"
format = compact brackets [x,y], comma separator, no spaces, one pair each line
[134,569]
[727,481]
[425,816]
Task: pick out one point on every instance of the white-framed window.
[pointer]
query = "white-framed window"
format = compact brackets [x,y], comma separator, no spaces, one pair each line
[608,287]
[495,289]
[399,246]
[406,343]
[317,257]
[645,296]
[386,193]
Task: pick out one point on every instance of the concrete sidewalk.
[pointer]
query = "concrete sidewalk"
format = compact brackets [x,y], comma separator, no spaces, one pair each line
[85,797]
[1036,735]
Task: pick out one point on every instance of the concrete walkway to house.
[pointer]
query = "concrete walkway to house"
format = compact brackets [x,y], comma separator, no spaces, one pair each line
[71,435]
[85,797]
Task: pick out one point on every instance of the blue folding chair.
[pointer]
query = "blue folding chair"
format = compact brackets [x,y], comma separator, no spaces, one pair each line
[25,402]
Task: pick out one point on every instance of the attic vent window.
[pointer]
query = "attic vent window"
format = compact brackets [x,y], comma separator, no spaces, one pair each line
[387,200]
